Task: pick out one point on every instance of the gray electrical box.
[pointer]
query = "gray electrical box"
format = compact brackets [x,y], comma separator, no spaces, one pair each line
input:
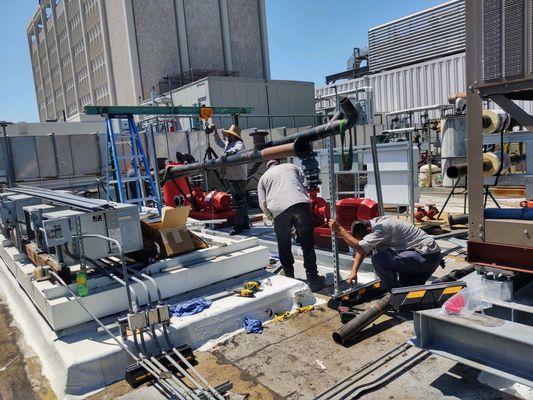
[57,232]
[13,213]
[121,223]
[34,222]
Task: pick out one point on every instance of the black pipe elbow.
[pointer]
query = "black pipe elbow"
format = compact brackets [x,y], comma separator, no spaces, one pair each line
[349,111]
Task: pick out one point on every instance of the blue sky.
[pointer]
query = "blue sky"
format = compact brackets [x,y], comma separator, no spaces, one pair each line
[308,39]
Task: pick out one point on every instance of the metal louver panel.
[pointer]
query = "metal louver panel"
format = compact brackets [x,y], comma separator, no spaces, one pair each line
[429,34]
[492,40]
[514,38]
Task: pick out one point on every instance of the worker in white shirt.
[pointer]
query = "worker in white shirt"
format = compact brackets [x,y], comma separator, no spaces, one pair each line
[283,198]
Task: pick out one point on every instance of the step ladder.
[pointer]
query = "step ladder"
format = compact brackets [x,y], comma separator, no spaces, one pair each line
[135,158]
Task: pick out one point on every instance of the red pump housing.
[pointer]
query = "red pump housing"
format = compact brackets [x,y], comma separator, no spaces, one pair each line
[211,205]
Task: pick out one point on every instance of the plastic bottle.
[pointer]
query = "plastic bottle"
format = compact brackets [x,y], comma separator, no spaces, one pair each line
[81,281]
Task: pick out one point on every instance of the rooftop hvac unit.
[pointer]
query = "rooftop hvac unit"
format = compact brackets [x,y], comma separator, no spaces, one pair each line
[426,35]
[506,41]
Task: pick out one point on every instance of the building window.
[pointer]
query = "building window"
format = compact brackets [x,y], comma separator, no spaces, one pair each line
[62,36]
[78,49]
[69,84]
[65,61]
[75,21]
[94,33]
[82,74]
[85,100]
[58,93]
[97,63]
[101,91]
[88,5]
[72,108]
[52,48]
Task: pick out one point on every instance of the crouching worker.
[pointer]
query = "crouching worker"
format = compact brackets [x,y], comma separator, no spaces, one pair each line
[404,255]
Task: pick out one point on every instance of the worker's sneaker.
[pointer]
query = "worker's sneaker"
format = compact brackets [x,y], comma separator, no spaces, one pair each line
[236,230]
[316,282]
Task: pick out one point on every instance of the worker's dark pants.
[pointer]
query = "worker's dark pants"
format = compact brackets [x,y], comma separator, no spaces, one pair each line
[404,268]
[238,192]
[299,216]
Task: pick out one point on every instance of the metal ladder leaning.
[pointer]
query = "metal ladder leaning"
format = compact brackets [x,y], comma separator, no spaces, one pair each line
[141,169]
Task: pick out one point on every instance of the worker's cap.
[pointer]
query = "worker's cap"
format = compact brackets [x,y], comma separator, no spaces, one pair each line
[271,163]
[234,130]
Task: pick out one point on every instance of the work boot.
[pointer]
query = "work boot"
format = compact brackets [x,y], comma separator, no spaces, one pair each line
[316,282]
[287,273]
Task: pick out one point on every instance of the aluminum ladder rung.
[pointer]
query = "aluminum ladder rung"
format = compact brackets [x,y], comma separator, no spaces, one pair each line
[130,179]
[128,157]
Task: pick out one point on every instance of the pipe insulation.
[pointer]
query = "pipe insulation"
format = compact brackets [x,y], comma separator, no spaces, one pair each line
[495,121]
[491,165]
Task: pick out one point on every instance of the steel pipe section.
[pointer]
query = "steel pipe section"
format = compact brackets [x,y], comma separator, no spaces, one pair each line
[348,331]
[299,144]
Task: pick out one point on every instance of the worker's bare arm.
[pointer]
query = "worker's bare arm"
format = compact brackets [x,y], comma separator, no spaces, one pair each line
[352,242]
[357,261]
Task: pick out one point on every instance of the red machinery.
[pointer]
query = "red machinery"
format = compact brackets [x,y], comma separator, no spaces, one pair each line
[204,205]
[348,211]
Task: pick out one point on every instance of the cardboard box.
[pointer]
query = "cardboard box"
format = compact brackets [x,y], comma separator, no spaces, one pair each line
[171,234]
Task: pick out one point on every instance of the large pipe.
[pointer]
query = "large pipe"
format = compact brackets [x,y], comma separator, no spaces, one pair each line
[348,331]
[460,170]
[298,145]
[494,213]
[491,165]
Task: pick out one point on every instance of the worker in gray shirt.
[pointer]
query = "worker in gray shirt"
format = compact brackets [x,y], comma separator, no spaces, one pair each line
[283,198]
[404,255]
[237,176]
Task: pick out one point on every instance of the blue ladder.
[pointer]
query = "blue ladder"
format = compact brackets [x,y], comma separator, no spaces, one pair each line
[137,158]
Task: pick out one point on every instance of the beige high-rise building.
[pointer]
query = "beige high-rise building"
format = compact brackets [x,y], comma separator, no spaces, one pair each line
[114,52]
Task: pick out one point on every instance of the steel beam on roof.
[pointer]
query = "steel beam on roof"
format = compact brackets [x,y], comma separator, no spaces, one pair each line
[162,110]
[500,347]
